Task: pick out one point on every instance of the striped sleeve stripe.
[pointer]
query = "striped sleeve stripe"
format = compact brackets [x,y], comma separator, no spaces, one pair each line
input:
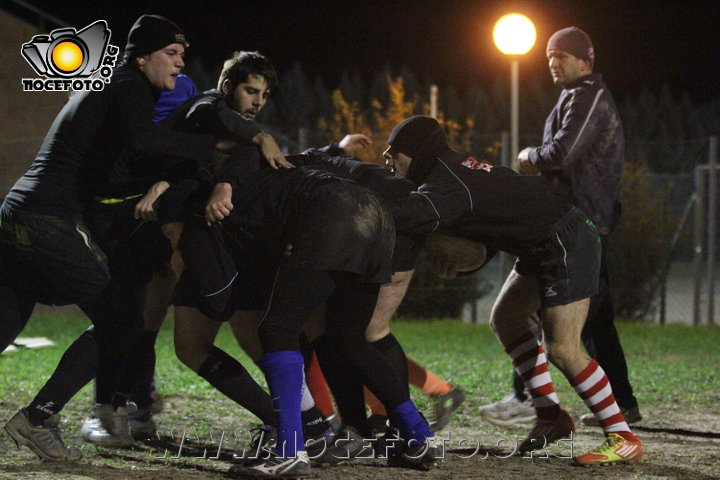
[223,288]
[437,222]
[461,183]
[582,129]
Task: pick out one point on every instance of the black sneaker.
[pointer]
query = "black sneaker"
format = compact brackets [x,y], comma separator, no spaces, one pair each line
[378,423]
[262,442]
[346,445]
[389,444]
[419,456]
[445,406]
[316,445]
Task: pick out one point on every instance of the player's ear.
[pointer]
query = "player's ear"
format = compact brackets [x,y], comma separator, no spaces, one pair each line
[226,86]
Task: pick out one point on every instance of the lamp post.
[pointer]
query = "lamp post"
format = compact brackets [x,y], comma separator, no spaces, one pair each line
[514,34]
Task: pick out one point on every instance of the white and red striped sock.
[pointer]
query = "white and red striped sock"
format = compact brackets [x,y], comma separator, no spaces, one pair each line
[594,388]
[528,357]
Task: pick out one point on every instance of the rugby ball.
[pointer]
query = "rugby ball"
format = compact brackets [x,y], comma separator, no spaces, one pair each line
[466,254]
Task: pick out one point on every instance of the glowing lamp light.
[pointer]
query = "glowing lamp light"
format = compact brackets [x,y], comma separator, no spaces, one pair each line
[67,56]
[514,34]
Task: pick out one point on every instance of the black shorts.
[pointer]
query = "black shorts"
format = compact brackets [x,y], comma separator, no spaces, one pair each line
[135,248]
[567,264]
[224,275]
[55,260]
[343,227]
[250,290]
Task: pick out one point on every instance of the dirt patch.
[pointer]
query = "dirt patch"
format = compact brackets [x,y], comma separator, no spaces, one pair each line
[678,445]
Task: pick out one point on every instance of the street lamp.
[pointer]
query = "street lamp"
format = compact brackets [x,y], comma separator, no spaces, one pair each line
[514,34]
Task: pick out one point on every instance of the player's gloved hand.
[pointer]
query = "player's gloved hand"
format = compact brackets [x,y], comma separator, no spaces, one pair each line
[354,143]
[270,150]
[145,209]
[219,205]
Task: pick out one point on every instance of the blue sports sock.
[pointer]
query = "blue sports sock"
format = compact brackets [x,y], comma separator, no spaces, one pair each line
[284,373]
[411,424]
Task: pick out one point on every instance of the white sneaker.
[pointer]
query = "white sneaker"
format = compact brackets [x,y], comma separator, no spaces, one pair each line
[509,411]
[108,427]
[277,467]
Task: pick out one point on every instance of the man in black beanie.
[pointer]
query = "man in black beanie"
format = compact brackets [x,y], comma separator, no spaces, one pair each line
[582,154]
[77,167]
[49,255]
[556,272]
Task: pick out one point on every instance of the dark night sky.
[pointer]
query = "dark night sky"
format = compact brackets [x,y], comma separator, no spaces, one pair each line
[638,43]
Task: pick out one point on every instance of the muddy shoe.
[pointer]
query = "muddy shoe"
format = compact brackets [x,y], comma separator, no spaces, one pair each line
[445,406]
[509,411]
[46,440]
[346,445]
[276,467]
[378,423]
[112,427]
[419,456]
[262,443]
[546,432]
[142,425]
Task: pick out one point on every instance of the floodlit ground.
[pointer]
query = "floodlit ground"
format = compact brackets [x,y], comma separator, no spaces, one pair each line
[673,370]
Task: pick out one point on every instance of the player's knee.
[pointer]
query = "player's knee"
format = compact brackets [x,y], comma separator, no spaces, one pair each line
[375,333]
[274,338]
[189,353]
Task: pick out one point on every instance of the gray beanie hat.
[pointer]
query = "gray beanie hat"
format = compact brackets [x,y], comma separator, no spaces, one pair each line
[573,41]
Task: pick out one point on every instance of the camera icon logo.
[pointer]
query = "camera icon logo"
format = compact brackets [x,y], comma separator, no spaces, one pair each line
[68,53]
[71,59]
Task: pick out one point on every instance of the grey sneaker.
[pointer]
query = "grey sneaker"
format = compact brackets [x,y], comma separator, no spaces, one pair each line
[109,428]
[509,411]
[46,441]
[276,467]
[142,425]
[632,415]
[445,406]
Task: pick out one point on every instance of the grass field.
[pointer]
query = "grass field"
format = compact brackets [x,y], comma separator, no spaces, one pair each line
[674,370]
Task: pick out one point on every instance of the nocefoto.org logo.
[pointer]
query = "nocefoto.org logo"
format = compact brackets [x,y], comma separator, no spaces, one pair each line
[70,59]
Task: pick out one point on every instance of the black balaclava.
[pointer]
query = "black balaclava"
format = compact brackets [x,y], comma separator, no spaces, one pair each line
[422,139]
[151,33]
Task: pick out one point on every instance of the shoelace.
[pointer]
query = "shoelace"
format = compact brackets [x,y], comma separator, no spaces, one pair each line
[260,439]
